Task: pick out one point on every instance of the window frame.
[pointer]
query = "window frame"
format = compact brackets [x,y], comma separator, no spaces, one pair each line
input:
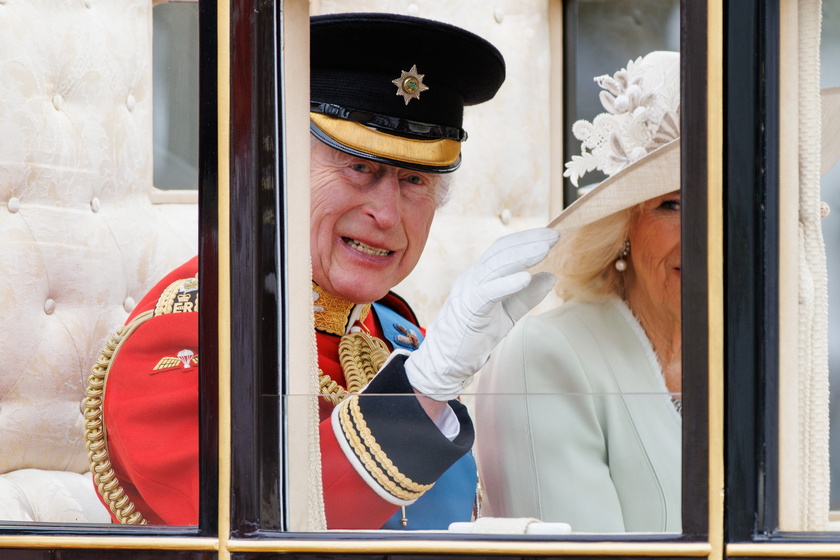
[695,411]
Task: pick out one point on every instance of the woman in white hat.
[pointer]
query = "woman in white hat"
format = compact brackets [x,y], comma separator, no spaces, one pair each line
[579,417]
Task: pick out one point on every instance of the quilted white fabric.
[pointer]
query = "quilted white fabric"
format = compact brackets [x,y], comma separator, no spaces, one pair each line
[82,241]
[56,496]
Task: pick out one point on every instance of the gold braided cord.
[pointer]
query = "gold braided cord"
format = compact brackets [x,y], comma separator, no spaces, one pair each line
[96,434]
[360,355]
[373,468]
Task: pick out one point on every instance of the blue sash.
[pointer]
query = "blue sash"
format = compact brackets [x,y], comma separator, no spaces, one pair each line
[451,499]
[396,329]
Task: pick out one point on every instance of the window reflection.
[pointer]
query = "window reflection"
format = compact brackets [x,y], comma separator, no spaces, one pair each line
[176,95]
[830,192]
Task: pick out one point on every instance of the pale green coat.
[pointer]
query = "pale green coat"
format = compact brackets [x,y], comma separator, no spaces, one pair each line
[596,441]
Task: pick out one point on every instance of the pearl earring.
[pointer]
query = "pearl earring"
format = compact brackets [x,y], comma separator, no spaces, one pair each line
[621,263]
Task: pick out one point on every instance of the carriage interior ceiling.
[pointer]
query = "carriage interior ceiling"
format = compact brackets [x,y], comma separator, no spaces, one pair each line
[82,239]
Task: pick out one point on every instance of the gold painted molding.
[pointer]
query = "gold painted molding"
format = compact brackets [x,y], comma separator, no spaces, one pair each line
[786,550]
[223,93]
[109,542]
[714,143]
[473,547]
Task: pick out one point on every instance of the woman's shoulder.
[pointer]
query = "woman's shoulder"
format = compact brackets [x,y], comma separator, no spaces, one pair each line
[557,330]
[573,313]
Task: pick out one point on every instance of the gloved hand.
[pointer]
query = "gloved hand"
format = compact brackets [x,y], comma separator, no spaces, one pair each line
[484,304]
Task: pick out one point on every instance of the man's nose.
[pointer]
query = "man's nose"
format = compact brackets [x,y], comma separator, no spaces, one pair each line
[384,203]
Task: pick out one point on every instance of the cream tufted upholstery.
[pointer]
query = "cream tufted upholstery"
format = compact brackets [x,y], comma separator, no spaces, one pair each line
[82,240]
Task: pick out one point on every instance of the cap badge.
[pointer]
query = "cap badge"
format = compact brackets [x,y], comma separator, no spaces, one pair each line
[410,84]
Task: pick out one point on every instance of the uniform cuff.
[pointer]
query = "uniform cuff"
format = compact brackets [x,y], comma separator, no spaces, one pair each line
[392,442]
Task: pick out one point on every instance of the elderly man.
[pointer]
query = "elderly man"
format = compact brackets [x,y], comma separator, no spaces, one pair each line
[387,98]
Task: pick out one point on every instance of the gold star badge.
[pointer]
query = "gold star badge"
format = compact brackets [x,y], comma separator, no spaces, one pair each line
[410,84]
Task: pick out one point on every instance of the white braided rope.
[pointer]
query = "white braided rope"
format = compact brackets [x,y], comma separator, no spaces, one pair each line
[316,518]
[813,288]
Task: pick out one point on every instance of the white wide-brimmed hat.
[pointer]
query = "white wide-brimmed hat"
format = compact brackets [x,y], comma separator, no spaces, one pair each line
[637,141]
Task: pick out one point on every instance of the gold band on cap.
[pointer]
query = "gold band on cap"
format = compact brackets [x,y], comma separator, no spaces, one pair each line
[440,153]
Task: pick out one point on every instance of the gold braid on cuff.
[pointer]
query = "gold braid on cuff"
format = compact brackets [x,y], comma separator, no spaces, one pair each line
[363,442]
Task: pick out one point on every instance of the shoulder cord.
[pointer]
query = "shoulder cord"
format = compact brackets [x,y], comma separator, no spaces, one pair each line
[361,355]
[96,443]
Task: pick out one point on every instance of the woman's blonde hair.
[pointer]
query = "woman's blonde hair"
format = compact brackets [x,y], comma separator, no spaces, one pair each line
[584,258]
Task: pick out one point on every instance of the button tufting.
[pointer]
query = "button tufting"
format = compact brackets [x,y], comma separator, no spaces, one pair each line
[498,15]
[58,102]
[129,304]
[413,9]
[130,102]
[94,204]
[49,306]
[87,3]
[505,216]
[14,202]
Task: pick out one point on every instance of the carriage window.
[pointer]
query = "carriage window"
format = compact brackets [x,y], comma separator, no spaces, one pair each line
[536,420]
[810,245]
[84,238]
[175,95]
[830,193]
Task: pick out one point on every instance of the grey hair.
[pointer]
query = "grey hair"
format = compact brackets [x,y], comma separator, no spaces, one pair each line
[442,189]
[442,184]
[584,258]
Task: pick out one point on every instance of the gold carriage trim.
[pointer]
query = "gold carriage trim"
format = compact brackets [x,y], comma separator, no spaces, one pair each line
[364,444]
[96,436]
[181,296]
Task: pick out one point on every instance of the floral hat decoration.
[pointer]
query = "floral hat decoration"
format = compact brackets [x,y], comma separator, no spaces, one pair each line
[636,142]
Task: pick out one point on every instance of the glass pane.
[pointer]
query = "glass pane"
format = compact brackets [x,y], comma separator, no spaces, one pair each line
[809,450]
[540,455]
[830,78]
[176,94]
[608,34]
[374,458]
[83,241]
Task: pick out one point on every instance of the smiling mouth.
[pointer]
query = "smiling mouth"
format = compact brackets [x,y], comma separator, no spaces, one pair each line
[365,248]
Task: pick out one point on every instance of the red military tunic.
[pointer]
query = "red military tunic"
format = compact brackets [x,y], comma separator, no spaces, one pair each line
[150,413]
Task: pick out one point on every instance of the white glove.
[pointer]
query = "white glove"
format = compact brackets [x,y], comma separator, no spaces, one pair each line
[484,304]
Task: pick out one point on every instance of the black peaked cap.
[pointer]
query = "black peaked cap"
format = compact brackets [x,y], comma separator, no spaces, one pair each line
[355,56]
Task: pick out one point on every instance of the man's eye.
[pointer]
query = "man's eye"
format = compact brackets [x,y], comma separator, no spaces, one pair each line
[670,205]
[414,179]
[360,167]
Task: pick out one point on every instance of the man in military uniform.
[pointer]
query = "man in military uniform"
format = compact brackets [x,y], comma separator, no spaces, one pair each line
[387,99]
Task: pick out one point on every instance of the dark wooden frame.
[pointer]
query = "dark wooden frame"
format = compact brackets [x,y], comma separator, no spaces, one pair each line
[751,266]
